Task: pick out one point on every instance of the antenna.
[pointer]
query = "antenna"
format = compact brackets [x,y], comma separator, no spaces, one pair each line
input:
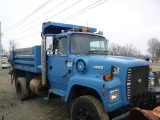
[87,26]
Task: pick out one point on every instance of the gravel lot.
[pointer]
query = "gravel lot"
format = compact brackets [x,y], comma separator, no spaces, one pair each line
[32,109]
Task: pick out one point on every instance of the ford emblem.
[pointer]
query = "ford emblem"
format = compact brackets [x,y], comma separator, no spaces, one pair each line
[139,80]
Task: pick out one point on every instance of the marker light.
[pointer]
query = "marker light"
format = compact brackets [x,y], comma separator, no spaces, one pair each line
[101,32]
[107,77]
[102,92]
[150,69]
[84,29]
[75,28]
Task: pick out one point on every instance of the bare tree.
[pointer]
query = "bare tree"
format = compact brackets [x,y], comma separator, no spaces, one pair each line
[12,45]
[113,48]
[153,46]
[127,50]
[158,51]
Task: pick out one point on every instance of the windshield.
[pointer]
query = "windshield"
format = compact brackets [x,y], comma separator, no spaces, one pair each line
[88,44]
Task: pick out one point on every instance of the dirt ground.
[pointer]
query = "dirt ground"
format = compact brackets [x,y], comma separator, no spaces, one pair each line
[32,109]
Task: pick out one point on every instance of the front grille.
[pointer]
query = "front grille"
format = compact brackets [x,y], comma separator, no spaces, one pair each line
[137,80]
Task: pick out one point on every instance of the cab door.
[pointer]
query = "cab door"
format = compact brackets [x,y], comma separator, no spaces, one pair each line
[59,72]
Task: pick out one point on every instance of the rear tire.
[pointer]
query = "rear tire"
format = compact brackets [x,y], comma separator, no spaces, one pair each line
[21,89]
[88,108]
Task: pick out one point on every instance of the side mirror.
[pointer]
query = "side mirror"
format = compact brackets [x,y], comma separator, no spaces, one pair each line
[49,44]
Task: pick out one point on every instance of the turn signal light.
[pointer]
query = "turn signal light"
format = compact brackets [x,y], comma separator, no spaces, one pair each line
[150,69]
[107,77]
[102,92]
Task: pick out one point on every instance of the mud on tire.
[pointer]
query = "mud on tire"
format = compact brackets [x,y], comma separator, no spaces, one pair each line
[21,89]
[88,108]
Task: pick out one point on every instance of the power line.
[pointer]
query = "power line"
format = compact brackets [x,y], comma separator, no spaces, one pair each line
[30,35]
[27,17]
[73,15]
[51,17]
[64,9]
[40,16]
[83,10]
[27,36]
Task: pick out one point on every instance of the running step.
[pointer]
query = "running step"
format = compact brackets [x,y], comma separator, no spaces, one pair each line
[55,91]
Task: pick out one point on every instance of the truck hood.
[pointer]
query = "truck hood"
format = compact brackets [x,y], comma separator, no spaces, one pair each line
[97,64]
[113,60]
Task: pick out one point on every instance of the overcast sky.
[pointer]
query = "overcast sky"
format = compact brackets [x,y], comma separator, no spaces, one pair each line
[122,21]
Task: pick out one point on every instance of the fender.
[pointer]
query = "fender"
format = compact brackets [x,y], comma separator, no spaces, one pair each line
[85,81]
[97,84]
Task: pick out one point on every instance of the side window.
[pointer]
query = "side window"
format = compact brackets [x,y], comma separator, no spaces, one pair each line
[60,45]
[63,45]
[55,44]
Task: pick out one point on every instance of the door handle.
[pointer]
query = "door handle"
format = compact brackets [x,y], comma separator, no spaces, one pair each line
[69,71]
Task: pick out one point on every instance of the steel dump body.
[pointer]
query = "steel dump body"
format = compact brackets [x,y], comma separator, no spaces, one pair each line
[28,61]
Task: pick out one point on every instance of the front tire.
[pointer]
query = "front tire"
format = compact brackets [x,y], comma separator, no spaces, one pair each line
[88,108]
[21,89]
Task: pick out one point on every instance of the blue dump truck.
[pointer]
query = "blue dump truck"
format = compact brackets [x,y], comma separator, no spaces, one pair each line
[73,62]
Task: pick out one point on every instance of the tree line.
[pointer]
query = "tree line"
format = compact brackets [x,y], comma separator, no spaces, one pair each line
[153,46]
[126,50]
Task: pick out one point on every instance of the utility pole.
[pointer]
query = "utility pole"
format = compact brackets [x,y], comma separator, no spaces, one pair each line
[0,41]
[0,44]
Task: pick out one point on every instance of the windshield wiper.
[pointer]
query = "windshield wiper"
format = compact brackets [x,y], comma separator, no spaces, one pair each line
[93,51]
[97,52]
[106,52]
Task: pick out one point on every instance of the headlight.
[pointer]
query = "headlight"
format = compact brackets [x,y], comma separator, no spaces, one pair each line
[114,95]
[152,81]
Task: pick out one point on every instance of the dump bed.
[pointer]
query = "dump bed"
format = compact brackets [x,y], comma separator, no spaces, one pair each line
[27,59]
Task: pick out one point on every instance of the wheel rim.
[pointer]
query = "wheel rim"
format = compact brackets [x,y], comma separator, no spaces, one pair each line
[83,114]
